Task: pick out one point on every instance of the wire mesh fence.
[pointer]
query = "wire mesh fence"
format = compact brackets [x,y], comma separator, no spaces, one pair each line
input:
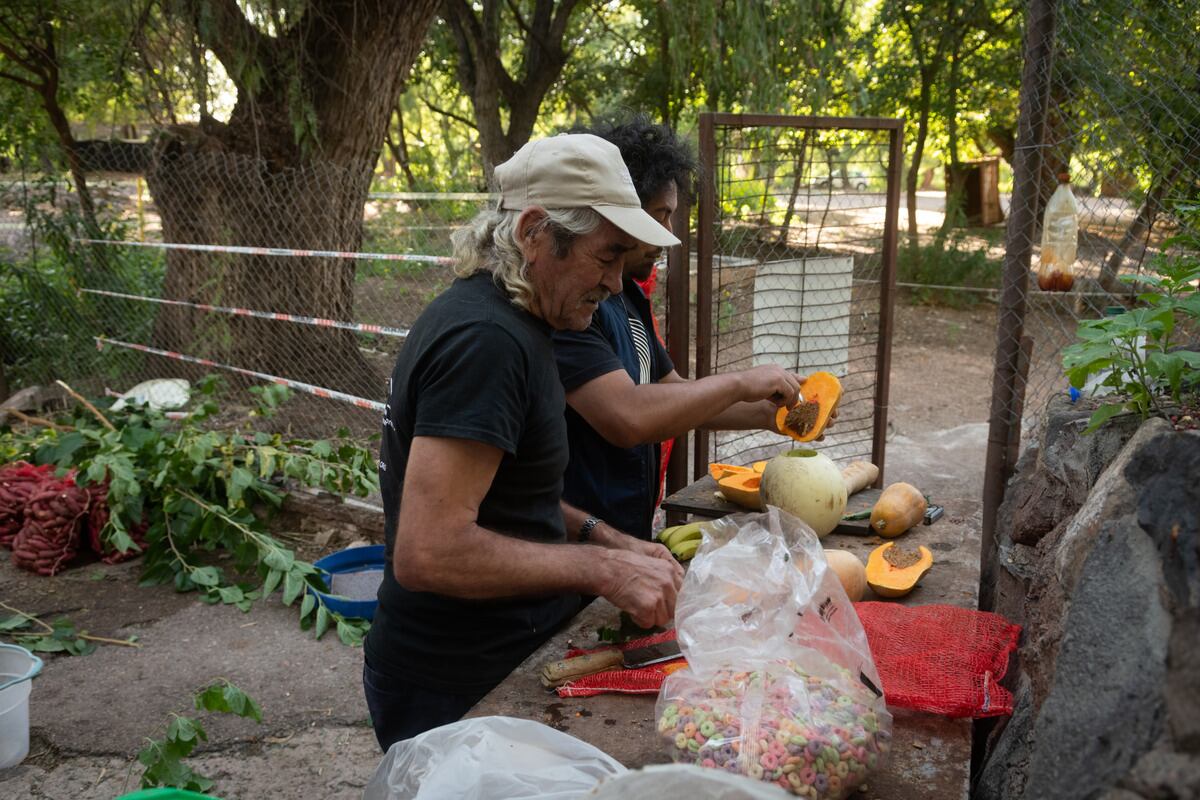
[214,263]
[1110,98]
[1126,130]
[797,266]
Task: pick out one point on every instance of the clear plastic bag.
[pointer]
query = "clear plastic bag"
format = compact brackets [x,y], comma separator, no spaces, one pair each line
[780,685]
[491,758]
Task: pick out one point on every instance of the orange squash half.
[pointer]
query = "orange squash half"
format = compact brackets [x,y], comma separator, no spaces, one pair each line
[821,391]
[719,471]
[742,488]
[893,572]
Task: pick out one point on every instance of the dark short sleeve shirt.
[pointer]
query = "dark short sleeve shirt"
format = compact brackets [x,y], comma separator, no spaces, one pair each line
[474,367]
[619,485]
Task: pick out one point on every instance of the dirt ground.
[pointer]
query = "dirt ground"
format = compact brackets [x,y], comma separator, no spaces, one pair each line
[91,714]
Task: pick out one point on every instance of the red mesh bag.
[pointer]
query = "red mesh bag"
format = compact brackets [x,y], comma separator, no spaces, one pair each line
[98,515]
[19,481]
[54,519]
[941,659]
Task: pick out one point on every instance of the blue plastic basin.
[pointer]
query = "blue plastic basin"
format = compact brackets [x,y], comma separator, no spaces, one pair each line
[353,559]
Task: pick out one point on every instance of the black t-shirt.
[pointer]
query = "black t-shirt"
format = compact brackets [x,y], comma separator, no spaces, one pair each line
[619,485]
[476,367]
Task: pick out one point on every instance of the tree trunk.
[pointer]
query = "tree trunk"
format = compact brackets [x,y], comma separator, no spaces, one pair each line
[914,169]
[399,149]
[664,62]
[796,180]
[485,80]
[252,183]
[955,183]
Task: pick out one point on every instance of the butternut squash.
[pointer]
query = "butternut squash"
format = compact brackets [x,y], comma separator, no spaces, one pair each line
[742,488]
[850,572]
[807,420]
[893,571]
[858,475]
[719,471]
[900,507]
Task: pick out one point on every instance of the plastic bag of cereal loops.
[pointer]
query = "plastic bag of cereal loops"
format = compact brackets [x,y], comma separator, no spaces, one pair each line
[780,685]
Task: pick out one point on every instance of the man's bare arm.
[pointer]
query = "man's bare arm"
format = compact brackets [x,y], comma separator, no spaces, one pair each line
[627,414]
[441,548]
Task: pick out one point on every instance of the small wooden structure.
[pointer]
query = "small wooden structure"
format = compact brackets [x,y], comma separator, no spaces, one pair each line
[980,180]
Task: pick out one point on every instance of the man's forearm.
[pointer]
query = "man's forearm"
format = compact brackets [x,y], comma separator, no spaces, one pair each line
[477,563]
[667,410]
[745,417]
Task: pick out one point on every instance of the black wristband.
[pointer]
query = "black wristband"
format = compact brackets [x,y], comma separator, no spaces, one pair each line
[585,530]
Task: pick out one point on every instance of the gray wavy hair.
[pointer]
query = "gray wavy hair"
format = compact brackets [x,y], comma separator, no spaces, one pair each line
[490,243]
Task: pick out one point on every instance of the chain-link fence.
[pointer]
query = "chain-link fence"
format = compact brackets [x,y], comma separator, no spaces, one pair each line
[219,264]
[1110,96]
[796,265]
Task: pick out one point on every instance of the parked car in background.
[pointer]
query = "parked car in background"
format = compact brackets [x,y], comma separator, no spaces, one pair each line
[852,180]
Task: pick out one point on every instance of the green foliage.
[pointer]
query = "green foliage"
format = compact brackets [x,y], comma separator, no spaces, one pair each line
[47,322]
[196,491]
[163,758]
[953,261]
[1133,352]
[36,636]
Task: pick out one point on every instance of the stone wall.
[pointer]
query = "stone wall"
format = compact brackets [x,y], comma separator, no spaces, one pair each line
[1099,559]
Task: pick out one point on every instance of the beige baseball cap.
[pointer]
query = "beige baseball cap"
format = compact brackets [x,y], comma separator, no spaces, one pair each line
[578,170]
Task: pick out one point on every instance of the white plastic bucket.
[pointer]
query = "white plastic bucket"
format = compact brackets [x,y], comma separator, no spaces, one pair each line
[17,667]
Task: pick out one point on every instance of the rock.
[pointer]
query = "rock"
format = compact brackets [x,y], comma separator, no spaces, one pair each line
[1108,691]
[1112,498]
[1068,463]
[1106,705]
[1162,773]
[1003,775]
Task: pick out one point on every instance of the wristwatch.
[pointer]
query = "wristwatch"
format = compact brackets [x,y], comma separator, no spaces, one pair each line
[585,530]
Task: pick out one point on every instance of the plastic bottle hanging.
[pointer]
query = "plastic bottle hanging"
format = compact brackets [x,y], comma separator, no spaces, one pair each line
[1060,237]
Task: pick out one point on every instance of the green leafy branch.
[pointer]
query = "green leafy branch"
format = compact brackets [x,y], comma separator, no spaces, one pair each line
[193,490]
[36,636]
[163,758]
[1135,351]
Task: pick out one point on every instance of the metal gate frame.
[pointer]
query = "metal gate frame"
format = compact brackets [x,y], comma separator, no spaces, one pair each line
[706,216]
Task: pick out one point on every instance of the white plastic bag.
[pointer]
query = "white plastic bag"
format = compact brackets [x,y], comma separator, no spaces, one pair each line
[781,685]
[677,782]
[490,758]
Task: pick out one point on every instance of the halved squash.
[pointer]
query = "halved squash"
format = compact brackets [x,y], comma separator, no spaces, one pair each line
[719,471]
[742,488]
[893,571]
[759,466]
[821,391]
[899,507]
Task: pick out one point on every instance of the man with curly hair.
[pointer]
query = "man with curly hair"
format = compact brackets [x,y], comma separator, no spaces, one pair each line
[624,396]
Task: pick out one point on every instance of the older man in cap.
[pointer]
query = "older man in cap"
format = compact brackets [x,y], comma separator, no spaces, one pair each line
[485,561]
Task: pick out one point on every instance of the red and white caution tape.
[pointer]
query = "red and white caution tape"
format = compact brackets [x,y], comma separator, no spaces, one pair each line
[273,251]
[299,386]
[247,312]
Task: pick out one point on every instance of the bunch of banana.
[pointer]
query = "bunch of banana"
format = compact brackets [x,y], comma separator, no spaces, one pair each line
[682,540]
